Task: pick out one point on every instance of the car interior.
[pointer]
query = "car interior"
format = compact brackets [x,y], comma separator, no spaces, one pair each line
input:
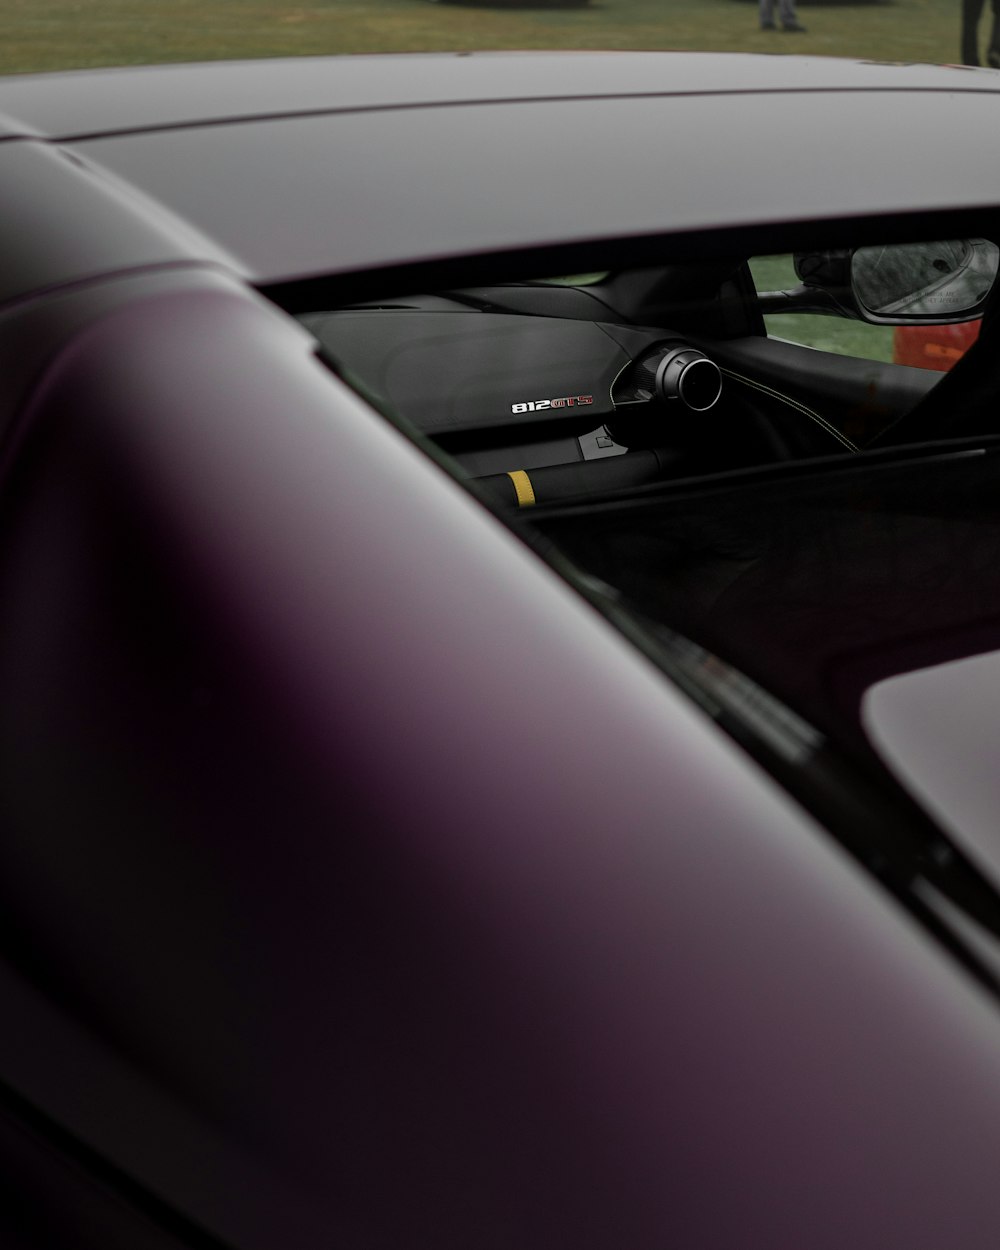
[543,392]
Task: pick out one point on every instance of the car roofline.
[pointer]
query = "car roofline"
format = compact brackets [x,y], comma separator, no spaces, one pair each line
[85,104]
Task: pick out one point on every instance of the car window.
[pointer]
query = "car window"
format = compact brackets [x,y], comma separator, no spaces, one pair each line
[824,332]
[559,387]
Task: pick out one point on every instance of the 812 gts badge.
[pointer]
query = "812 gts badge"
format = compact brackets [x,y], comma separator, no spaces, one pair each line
[539,405]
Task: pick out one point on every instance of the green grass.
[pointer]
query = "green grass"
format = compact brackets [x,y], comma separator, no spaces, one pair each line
[68,34]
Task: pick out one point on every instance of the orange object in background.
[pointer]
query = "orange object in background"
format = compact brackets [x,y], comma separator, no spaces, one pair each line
[933,347]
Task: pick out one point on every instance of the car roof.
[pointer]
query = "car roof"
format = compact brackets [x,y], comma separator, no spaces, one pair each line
[293,169]
[126,100]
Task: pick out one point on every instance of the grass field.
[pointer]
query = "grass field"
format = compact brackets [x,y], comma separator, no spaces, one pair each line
[65,34]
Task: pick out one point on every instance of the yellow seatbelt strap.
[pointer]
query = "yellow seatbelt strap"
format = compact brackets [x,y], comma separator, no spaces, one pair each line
[523,487]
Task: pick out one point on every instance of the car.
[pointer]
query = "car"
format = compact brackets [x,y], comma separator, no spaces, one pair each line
[935,346]
[498,667]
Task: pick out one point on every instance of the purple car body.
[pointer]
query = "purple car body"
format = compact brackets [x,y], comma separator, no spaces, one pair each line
[363,882]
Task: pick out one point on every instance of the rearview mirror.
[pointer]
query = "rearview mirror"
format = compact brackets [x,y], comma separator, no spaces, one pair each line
[894,284]
[934,282]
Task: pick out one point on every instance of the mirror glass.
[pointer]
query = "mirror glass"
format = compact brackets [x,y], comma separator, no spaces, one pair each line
[934,281]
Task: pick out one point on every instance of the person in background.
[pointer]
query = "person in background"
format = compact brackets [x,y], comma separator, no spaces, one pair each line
[786,12]
[972,10]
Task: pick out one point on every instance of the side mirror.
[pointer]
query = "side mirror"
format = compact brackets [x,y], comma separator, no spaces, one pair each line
[929,282]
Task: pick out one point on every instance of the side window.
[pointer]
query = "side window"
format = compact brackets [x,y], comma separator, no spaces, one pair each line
[926,346]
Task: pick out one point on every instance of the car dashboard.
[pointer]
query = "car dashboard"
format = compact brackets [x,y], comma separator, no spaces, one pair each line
[540,408]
